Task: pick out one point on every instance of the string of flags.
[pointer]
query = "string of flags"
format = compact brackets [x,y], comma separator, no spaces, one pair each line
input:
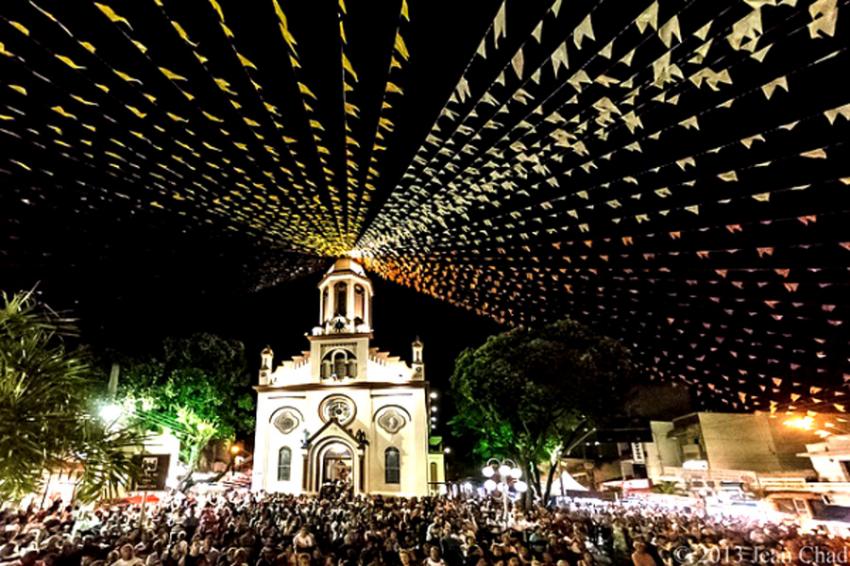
[671,172]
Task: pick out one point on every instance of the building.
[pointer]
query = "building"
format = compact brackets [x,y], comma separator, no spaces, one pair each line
[830,458]
[343,413]
[711,453]
[754,442]
[436,467]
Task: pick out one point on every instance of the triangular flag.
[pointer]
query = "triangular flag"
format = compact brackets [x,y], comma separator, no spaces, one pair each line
[517,63]
[584,29]
[648,17]
[559,58]
[670,30]
[499,25]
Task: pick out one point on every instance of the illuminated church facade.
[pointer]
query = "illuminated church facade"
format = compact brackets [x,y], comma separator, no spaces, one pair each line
[343,414]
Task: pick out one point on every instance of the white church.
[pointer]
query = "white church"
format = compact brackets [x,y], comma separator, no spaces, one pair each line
[343,413]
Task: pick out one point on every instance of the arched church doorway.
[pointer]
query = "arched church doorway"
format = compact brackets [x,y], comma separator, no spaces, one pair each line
[336,468]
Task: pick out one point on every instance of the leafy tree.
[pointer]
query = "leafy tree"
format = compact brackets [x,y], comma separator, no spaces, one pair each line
[46,409]
[530,393]
[197,386]
[666,487]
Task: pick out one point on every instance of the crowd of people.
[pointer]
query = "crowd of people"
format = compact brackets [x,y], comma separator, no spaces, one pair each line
[240,528]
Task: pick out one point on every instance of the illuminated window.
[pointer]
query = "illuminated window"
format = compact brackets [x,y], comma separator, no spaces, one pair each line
[359,302]
[338,364]
[434,477]
[392,466]
[341,293]
[284,464]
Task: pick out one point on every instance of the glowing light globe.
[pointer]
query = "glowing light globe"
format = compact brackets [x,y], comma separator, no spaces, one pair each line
[489,485]
[504,470]
[487,472]
[110,412]
[516,473]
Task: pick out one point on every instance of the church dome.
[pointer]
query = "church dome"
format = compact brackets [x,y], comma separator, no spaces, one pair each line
[347,264]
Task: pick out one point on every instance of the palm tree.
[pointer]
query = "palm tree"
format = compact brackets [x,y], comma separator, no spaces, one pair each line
[47,397]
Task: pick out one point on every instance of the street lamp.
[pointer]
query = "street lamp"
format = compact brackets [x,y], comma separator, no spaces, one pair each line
[808,423]
[110,412]
[503,477]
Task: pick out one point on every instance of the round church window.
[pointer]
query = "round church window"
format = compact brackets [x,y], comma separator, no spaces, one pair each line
[286,422]
[391,421]
[338,408]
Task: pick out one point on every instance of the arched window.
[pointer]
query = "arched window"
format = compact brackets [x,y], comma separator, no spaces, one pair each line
[341,296]
[339,364]
[284,464]
[359,302]
[325,313]
[434,477]
[340,360]
[392,466]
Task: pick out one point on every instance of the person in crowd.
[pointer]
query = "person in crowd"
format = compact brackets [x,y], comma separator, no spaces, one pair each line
[238,528]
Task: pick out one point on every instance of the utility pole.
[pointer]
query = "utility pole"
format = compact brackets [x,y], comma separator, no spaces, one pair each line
[112,388]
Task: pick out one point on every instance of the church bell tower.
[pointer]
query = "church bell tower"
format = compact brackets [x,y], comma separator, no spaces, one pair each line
[340,342]
[345,300]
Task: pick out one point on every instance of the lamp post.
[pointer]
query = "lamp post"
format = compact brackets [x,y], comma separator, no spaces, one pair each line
[809,423]
[503,476]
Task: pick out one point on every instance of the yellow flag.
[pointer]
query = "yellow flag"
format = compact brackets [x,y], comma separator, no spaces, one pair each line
[517,63]
[648,17]
[748,27]
[82,100]
[126,77]
[834,113]
[401,47]
[584,30]
[110,13]
[218,10]
[304,89]
[702,32]
[346,64]
[135,111]
[824,17]
[559,59]
[499,25]
[67,60]
[245,61]
[670,30]
[172,75]
[769,88]
[819,153]
[62,112]
[690,123]
[20,27]
[182,33]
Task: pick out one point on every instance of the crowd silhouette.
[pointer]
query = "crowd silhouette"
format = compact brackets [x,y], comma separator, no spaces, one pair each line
[240,528]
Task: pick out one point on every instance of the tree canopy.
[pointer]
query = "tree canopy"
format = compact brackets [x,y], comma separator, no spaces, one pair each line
[197,385]
[523,393]
[47,408]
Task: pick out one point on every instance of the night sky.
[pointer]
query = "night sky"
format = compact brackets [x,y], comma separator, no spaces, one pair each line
[672,173]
